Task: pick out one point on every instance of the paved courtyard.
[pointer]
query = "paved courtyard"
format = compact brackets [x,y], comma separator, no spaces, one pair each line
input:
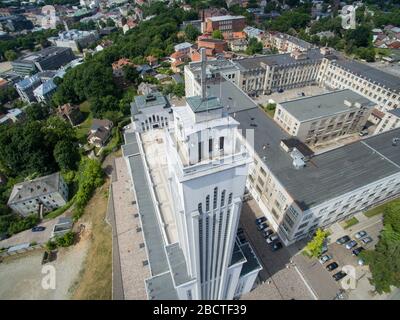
[290,94]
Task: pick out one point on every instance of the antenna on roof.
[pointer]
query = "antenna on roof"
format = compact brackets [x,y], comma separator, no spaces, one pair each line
[203,73]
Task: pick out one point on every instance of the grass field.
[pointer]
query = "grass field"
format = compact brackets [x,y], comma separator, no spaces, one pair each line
[379,209]
[349,223]
[95,281]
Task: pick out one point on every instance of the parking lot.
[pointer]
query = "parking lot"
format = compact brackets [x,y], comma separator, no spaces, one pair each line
[279,279]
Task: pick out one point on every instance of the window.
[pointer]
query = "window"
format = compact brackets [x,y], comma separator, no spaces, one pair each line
[208,203]
[215,198]
[303,225]
[200,147]
[221,143]
[230,198]
[223,198]
[210,145]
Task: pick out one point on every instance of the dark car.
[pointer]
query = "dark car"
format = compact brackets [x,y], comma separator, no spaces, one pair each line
[343,240]
[339,276]
[261,220]
[280,90]
[38,229]
[366,240]
[276,246]
[332,266]
[357,251]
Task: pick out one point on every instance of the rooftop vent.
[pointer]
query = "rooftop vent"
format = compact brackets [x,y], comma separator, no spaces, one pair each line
[150,97]
[395,141]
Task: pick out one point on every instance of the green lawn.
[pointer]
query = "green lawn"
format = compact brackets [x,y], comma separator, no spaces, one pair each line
[379,209]
[83,129]
[349,223]
[85,107]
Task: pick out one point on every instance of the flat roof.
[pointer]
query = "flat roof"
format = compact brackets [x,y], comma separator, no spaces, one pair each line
[324,105]
[226,17]
[278,59]
[326,175]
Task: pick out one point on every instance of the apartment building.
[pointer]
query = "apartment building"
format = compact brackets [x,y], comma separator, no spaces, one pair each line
[324,117]
[42,194]
[286,43]
[390,120]
[45,91]
[226,23]
[297,190]
[26,87]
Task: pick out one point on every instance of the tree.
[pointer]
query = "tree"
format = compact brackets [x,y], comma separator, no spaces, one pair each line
[314,247]
[66,155]
[254,46]
[131,74]
[36,111]
[10,55]
[217,34]
[384,260]
[191,32]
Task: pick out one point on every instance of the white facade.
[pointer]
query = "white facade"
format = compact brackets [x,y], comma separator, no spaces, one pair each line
[390,120]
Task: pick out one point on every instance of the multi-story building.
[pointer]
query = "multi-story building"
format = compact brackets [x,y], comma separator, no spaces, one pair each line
[43,194]
[150,111]
[297,190]
[26,87]
[226,23]
[45,91]
[324,117]
[390,120]
[75,39]
[286,43]
[51,58]
[199,168]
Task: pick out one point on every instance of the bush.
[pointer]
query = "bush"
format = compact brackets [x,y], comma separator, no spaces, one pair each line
[65,240]
[51,245]
[23,224]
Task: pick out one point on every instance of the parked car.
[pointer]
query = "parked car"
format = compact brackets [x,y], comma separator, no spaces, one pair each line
[324,249]
[272,238]
[343,240]
[339,276]
[357,251]
[240,230]
[360,234]
[332,266]
[280,90]
[360,262]
[351,244]
[325,258]
[363,133]
[267,233]
[366,240]
[261,220]
[276,246]
[38,229]
[262,226]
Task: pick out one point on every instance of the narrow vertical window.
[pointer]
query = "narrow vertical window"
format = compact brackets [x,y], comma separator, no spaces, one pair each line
[210,145]
[221,143]
[200,150]
[215,198]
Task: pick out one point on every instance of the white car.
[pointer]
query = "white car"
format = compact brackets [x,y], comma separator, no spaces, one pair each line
[360,234]
[325,258]
[272,238]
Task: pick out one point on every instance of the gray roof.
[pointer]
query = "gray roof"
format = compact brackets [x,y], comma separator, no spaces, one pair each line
[366,71]
[197,104]
[178,264]
[324,105]
[252,262]
[326,175]
[230,96]
[395,112]
[311,55]
[34,188]
[150,100]
[160,285]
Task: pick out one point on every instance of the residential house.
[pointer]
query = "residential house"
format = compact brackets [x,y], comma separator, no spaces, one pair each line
[70,113]
[118,67]
[100,132]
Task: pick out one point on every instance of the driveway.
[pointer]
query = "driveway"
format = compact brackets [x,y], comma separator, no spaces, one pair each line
[28,236]
[279,279]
